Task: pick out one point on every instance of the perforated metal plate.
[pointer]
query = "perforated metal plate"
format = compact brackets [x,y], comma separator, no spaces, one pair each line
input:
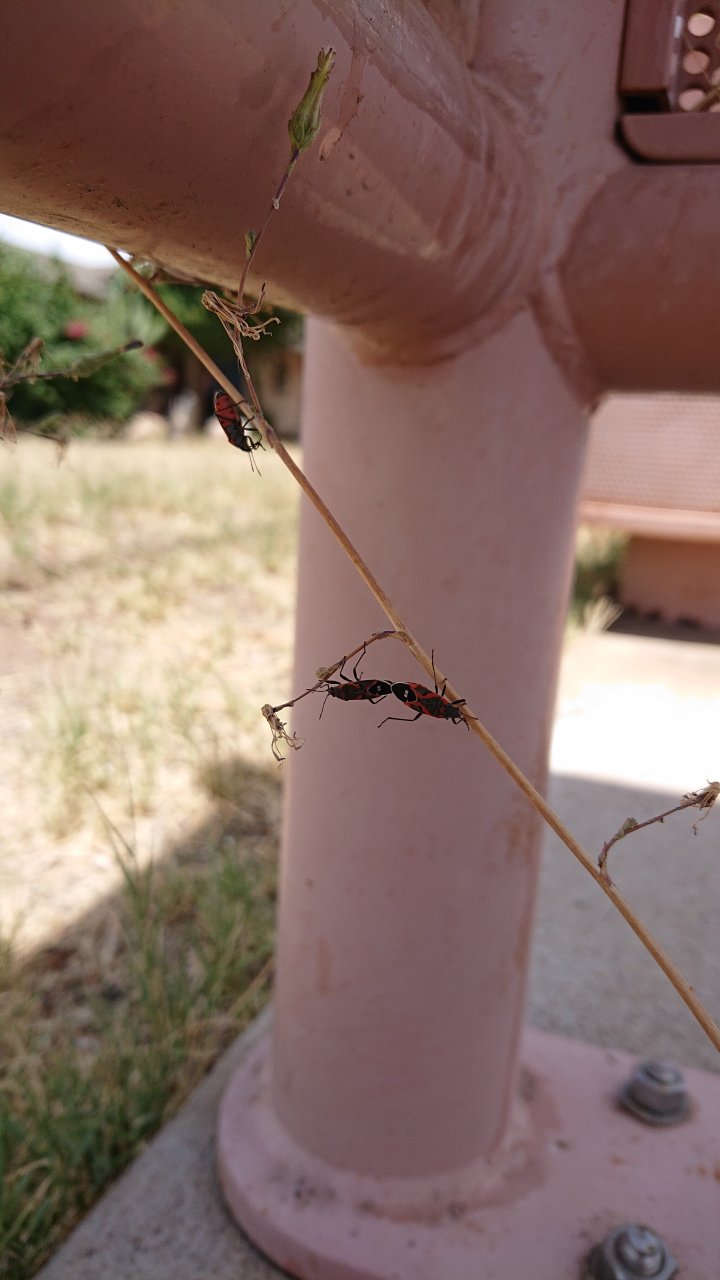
[669,81]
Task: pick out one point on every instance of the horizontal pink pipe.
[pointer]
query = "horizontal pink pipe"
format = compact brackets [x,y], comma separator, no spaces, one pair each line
[653,522]
[162,129]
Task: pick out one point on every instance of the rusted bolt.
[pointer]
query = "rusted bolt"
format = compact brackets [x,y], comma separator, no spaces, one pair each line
[656,1093]
[629,1253]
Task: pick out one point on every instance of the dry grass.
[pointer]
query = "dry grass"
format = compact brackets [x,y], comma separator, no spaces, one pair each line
[598,554]
[144,618]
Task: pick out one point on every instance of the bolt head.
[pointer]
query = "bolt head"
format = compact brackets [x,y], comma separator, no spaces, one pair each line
[640,1250]
[631,1252]
[656,1092]
[663,1072]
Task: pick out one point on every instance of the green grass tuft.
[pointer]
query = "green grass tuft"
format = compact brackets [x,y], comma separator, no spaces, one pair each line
[598,555]
[92,1071]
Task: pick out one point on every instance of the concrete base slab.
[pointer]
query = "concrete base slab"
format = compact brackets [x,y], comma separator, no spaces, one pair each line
[577,1168]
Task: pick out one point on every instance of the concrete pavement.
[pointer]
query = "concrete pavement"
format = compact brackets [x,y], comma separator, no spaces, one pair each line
[638,725]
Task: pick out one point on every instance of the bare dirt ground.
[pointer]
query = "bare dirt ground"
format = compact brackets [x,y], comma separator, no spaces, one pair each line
[145,615]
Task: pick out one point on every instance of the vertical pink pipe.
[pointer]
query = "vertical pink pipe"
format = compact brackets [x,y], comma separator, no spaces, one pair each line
[409,862]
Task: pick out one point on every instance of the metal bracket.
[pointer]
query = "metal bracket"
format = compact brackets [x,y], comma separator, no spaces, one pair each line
[669,81]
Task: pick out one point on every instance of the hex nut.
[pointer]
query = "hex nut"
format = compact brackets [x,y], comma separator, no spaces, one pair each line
[631,1252]
[656,1093]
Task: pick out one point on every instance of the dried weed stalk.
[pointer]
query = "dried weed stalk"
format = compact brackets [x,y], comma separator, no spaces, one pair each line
[303,128]
[301,136]
[704,799]
[234,318]
[279,732]
[324,673]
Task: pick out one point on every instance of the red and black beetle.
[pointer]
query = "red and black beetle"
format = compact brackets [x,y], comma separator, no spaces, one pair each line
[427,702]
[357,689]
[237,429]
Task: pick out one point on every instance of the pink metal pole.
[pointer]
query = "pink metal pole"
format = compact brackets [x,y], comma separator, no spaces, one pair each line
[395,1127]
[409,864]
[408,869]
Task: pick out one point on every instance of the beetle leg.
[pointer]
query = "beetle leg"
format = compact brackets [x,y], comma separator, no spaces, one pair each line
[361,655]
[406,719]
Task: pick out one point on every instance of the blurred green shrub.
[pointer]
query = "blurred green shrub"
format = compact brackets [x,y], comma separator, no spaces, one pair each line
[37,300]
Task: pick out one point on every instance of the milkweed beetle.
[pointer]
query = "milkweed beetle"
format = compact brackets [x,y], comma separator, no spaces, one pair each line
[357,689]
[427,702]
[238,431]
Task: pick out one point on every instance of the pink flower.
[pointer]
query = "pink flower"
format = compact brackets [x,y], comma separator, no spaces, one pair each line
[76,330]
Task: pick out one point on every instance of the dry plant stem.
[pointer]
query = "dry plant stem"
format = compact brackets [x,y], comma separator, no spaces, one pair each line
[279,733]
[335,666]
[275,204]
[51,375]
[703,799]
[632,825]
[151,294]
[670,970]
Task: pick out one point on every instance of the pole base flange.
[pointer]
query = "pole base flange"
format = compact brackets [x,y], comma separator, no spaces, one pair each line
[589,1167]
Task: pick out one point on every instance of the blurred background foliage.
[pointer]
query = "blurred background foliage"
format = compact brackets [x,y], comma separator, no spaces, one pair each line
[38,298]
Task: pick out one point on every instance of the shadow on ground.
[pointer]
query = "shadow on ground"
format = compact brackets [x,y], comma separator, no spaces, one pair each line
[79,963]
[591,978]
[632,623]
[108,1026]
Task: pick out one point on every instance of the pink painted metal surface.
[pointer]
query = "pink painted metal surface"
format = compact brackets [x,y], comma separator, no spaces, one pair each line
[638,280]
[155,126]
[162,128]
[409,864]
[651,52]
[670,65]
[673,138]
[467,195]
[574,1167]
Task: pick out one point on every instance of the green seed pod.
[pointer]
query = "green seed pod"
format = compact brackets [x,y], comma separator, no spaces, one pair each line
[304,123]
